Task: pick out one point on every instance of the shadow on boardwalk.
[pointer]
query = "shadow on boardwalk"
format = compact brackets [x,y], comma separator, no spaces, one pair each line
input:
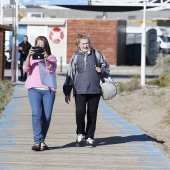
[113,140]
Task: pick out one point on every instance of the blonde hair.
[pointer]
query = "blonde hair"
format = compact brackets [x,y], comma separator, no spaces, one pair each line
[81,36]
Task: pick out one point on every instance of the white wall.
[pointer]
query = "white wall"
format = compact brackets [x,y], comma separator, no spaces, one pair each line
[58,48]
[34,31]
[56,36]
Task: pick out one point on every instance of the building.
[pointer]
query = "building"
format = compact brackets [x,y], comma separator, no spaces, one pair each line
[51,21]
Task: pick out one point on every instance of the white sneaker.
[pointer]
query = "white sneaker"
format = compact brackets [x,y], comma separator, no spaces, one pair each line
[90,142]
[79,141]
[80,137]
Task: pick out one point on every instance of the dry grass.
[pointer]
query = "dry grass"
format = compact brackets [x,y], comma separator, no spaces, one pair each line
[161,97]
[166,118]
[162,65]
[164,102]
[163,80]
[6,90]
[130,86]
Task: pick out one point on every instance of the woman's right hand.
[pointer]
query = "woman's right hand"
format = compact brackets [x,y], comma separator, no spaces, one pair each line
[27,61]
[31,52]
[67,99]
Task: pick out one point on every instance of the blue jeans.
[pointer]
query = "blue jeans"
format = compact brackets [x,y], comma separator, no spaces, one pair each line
[41,102]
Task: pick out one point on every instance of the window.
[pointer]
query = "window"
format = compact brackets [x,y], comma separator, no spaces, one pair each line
[35,15]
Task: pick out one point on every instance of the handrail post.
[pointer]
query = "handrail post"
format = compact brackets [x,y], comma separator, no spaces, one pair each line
[60,64]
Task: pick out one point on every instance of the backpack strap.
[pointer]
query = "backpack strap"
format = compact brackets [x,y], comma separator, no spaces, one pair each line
[97,65]
[96,60]
[97,55]
[74,63]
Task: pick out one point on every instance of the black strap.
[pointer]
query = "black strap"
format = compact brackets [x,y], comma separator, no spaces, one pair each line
[95,57]
[99,75]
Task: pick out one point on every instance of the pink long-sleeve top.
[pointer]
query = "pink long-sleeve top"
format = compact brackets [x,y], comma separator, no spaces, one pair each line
[33,79]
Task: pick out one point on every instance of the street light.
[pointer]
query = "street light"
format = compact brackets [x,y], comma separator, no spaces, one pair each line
[2,12]
[143,45]
[16,40]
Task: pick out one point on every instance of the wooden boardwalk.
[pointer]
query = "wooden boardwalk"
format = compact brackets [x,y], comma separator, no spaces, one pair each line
[120,145]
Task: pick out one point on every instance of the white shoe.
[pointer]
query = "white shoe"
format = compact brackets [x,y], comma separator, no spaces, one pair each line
[80,137]
[90,142]
[80,140]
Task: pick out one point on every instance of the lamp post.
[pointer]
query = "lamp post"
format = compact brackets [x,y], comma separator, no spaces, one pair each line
[16,40]
[143,45]
[2,12]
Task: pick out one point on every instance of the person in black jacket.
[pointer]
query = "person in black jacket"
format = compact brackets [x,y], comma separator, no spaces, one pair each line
[23,48]
[83,76]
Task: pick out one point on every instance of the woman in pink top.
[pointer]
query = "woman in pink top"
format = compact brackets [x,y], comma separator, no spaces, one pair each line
[41,85]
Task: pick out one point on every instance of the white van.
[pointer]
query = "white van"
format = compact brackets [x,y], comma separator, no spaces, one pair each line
[164,43]
[163,40]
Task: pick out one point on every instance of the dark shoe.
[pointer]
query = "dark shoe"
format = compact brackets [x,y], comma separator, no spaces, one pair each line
[80,140]
[79,144]
[36,147]
[44,147]
[90,143]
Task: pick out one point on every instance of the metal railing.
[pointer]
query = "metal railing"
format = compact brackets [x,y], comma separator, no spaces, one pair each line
[149,3]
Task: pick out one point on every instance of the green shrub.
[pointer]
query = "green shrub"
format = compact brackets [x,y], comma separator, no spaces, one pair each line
[130,86]
[162,81]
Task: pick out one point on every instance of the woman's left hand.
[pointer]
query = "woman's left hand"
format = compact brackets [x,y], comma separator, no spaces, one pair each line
[45,56]
[45,59]
[98,69]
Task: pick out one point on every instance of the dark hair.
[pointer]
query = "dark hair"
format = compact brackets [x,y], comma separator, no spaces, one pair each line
[46,44]
[26,36]
[81,36]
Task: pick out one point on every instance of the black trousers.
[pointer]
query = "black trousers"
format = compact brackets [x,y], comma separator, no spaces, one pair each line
[21,68]
[86,103]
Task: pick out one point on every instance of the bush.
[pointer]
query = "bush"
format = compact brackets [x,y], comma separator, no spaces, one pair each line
[162,65]
[162,81]
[6,90]
[134,84]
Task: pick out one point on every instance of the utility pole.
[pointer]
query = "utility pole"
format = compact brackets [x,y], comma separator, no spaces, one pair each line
[2,13]
[16,40]
[143,45]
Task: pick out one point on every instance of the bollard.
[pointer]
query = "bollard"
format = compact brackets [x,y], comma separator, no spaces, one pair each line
[60,64]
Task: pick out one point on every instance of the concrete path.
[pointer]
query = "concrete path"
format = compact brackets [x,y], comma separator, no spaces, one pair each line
[120,145]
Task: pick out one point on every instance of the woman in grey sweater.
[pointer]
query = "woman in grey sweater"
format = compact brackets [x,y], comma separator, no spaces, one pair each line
[82,76]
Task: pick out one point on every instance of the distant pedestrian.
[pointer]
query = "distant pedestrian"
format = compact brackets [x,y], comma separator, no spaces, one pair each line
[41,85]
[83,76]
[23,48]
